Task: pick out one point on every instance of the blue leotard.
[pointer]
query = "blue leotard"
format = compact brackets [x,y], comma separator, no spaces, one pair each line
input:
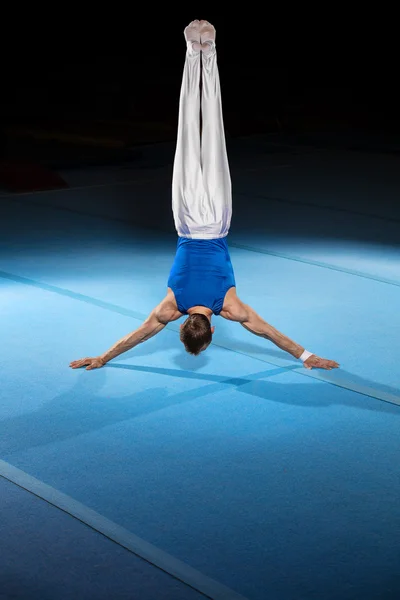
[202,273]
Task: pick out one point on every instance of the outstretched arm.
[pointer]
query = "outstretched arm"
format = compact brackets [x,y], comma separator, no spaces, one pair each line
[251,321]
[255,324]
[149,328]
[154,323]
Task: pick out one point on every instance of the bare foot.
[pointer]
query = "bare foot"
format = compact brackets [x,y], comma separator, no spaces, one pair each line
[192,36]
[207,36]
[207,32]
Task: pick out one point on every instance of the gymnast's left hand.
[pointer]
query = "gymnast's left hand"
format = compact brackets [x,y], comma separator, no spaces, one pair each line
[90,363]
[320,363]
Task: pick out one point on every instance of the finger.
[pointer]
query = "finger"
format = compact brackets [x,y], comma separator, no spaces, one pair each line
[80,363]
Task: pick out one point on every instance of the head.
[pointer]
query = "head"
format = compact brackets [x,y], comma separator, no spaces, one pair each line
[196,333]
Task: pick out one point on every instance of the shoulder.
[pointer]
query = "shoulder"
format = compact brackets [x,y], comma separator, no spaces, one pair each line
[233,308]
[167,310]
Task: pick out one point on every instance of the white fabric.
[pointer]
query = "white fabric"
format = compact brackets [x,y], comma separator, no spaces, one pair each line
[201,183]
[306,354]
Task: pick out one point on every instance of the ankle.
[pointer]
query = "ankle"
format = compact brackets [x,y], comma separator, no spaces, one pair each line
[208,47]
[193,47]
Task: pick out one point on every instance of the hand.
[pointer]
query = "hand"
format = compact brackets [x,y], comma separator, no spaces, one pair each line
[93,363]
[320,363]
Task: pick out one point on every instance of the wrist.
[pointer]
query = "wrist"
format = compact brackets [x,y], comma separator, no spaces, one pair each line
[305,355]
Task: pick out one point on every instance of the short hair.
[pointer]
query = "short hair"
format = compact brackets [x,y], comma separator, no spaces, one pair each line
[196,333]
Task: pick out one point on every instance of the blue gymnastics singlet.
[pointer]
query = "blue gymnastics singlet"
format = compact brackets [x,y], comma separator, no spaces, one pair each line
[202,273]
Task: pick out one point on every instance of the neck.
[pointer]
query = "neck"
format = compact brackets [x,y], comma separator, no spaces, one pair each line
[201,310]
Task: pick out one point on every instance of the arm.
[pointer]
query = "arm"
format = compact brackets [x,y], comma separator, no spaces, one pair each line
[251,321]
[149,328]
[154,323]
[255,324]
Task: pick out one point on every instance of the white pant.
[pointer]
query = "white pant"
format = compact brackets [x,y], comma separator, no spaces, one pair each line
[201,183]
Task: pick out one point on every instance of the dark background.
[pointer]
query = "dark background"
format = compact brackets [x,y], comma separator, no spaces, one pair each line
[77,79]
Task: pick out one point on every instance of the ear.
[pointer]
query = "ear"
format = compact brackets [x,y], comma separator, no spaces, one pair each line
[212,329]
[180,326]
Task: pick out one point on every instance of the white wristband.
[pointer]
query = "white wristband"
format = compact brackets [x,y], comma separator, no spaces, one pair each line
[306,354]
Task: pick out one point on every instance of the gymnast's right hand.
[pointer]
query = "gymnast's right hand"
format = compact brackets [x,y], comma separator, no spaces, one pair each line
[89,363]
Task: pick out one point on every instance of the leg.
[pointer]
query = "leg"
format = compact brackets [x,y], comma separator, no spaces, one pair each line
[187,180]
[215,166]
